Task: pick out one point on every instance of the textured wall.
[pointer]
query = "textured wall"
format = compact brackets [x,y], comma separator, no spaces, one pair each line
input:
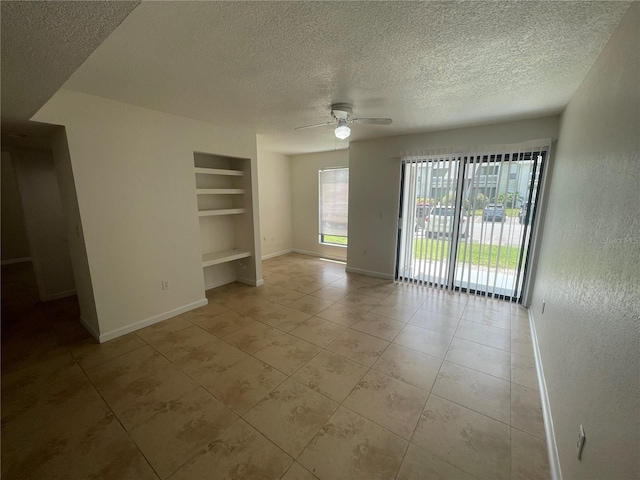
[274,183]
[588,271]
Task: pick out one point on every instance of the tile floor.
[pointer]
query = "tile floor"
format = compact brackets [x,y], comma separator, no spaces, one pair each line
[316,374]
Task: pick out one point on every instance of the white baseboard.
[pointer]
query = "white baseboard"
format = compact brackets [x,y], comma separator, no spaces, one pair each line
[118,332]
[552,448]
[15,260]
[250,281]
[277,254]
[57,296]
[369,273]
[322,255]
[90,329]
[209,286]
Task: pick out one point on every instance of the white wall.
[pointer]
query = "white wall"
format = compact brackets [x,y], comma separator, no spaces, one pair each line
[45,222]
[274,180]
[135,185]
[14,235]
[374,183]
[304,188]
[588,272]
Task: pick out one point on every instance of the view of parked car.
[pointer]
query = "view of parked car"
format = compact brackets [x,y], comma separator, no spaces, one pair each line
[493,213]
[439,221]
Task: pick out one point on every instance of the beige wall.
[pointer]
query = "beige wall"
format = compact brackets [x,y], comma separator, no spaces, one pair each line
[588,273]
[14,234]
[274,180]
[133,173]
[374,183]
[45,222]
[304,188]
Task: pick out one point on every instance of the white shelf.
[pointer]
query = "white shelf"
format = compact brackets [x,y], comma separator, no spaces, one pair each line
[219,171]
[220,191]
[227,211]
[217,258]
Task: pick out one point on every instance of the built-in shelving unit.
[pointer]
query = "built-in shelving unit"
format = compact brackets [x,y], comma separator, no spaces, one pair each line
[225,213]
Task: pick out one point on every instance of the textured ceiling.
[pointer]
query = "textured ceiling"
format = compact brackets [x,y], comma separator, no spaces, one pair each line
[45,42]
[272,66]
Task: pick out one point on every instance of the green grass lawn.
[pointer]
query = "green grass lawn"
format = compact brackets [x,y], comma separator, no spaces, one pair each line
[334,239]
[433,249]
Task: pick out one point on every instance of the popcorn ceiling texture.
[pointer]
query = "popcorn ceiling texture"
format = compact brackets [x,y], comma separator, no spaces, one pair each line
[272,66]
[45,42]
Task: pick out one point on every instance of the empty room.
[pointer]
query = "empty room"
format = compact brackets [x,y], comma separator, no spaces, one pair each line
[320,240]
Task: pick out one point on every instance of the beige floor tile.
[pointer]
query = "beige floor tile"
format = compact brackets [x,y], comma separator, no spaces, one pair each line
[398,312]
[491,336]
[520,324]
[72,449]
[223,324]
[310,304]
[435,322]
[212,309]
[253,337]
[350,447]
[298,472]
[409,366]
[90,353]
[523,371]
[244,384]
[529,459]
[359,347]
[159,330]
[487,317]
[276,294]
[466,439]
[443,307]
[278,316]
[475,390]
[31,413]
[287,353]
[526,410]
[318,331]
[192,422]
[519,311]
[343,314]
[492,361]
[139,384]
[38,375]
[425,341]
[330,293]
[419,464]
[377,291]
[522,344]
[489,304]
[360,300]
[205,362]
[291,415]
[242,453]
[408,298]
[378,326]
[390,403]
[177,344]
[331,375]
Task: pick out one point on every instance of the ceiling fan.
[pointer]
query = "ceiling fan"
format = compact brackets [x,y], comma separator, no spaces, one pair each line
[341,113]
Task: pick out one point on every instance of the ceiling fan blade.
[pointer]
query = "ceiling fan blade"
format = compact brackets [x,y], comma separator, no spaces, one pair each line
[316,125]
[372,121]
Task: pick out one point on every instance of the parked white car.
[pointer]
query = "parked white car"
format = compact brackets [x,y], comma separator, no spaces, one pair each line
[440,221]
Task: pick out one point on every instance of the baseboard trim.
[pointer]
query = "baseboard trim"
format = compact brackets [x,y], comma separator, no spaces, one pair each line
[15,260]
[118,332]
[369,273]
[277,254]
[90,329]
[250,281]
[321,255]
[209,286]
[57,296]
[552,448]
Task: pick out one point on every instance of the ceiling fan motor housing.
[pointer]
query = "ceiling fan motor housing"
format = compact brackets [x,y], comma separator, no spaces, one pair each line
[341,111]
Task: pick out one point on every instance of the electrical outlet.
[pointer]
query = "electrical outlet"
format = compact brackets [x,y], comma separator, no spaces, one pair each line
[165,284]
[580,445]
[544,304]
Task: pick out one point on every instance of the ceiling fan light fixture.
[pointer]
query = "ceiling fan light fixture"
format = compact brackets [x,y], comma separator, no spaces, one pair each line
[342,130]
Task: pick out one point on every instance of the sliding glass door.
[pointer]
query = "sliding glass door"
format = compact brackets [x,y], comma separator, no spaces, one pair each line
[466,220]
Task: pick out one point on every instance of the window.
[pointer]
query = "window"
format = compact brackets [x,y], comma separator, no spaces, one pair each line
[334,206]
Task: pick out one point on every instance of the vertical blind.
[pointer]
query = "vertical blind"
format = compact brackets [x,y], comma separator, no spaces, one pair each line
[466,217]
[334,202]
